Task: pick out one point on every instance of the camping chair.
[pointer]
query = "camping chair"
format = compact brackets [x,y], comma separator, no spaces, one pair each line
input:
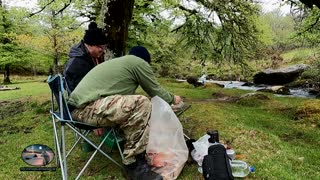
[61,116]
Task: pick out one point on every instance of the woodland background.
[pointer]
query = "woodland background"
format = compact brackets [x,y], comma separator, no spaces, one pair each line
[227,39]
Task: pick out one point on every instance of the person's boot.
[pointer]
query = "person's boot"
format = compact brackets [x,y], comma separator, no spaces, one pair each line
[145,170]
[150,175]
[140,170]
[129,171]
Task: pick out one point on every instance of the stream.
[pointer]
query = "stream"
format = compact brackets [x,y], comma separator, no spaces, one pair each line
[299,92]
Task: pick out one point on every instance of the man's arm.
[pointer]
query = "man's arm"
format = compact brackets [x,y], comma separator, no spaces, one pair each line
[146,79]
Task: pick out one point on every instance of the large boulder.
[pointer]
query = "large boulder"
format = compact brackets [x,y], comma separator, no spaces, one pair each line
[194,80]
[279,76]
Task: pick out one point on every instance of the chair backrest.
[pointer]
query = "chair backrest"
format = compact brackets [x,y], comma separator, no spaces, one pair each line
[56,84]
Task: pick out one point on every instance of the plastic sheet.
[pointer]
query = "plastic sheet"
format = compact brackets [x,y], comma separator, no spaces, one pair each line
[167,151]
[200,149]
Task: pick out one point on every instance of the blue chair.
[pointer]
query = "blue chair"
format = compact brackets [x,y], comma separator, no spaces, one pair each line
[61,117]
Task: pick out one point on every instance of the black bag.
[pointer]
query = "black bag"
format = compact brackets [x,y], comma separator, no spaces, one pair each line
[216,165]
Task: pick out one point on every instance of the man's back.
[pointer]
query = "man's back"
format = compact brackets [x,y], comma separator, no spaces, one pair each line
[117,76]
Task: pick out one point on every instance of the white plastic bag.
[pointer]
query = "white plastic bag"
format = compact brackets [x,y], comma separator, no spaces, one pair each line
[167,151]
[200,149]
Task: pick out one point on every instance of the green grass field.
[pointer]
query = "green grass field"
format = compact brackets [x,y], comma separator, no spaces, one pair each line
[280,137]
[303,55]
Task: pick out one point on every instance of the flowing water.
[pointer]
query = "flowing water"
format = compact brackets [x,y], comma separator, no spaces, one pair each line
[240,85]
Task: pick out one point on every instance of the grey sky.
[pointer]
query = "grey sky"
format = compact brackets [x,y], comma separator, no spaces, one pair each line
[267,5]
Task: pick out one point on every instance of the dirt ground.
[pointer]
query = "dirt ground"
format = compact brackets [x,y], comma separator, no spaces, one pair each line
[10,109]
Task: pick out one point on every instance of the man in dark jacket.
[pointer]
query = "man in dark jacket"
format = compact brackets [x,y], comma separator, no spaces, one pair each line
[85,55]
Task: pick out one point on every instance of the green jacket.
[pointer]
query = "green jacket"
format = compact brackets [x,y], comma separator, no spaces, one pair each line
[118,76]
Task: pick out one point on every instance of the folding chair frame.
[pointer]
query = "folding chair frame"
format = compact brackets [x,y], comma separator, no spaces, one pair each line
[63,118]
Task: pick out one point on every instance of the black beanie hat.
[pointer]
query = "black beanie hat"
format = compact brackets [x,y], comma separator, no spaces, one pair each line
[94,35]
[140,52]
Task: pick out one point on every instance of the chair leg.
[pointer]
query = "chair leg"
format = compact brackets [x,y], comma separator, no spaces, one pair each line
[55,149]
[62,167]
[61,149]
[63,144]
[118,145]
[86,165]
[77,141]
[96,147]
[94,153]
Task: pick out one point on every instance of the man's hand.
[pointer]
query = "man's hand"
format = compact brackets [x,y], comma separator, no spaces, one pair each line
[177,100]
[99,131]
[178,104]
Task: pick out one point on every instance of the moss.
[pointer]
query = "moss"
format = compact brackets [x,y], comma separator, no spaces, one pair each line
[310,111]
[253,99]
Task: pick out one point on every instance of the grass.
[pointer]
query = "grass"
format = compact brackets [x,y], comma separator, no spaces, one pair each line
[264,133]
[29,86]
[299,56]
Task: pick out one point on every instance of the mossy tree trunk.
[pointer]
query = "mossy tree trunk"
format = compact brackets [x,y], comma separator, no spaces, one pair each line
[117,16]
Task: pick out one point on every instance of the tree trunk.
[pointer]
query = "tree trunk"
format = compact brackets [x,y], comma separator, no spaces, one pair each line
[6,79]
[54,36]
[117,16]
[56,69]
[34,70]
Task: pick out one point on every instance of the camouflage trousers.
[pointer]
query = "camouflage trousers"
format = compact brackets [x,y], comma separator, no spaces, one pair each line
[130,112]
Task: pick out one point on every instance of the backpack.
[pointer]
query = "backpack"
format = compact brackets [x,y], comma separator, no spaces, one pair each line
[216,165]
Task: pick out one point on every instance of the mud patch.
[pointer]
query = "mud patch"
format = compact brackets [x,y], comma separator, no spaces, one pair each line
[293,136]
[225,98]
[3,142]
[217,97]
[249,99]
[12,129]
[11,108]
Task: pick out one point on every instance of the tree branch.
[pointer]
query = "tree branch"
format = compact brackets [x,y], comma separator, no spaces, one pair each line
[64,7]
[192,12]
[76,26]
[308,3]
[34,13]
[49,3]
[311,26]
